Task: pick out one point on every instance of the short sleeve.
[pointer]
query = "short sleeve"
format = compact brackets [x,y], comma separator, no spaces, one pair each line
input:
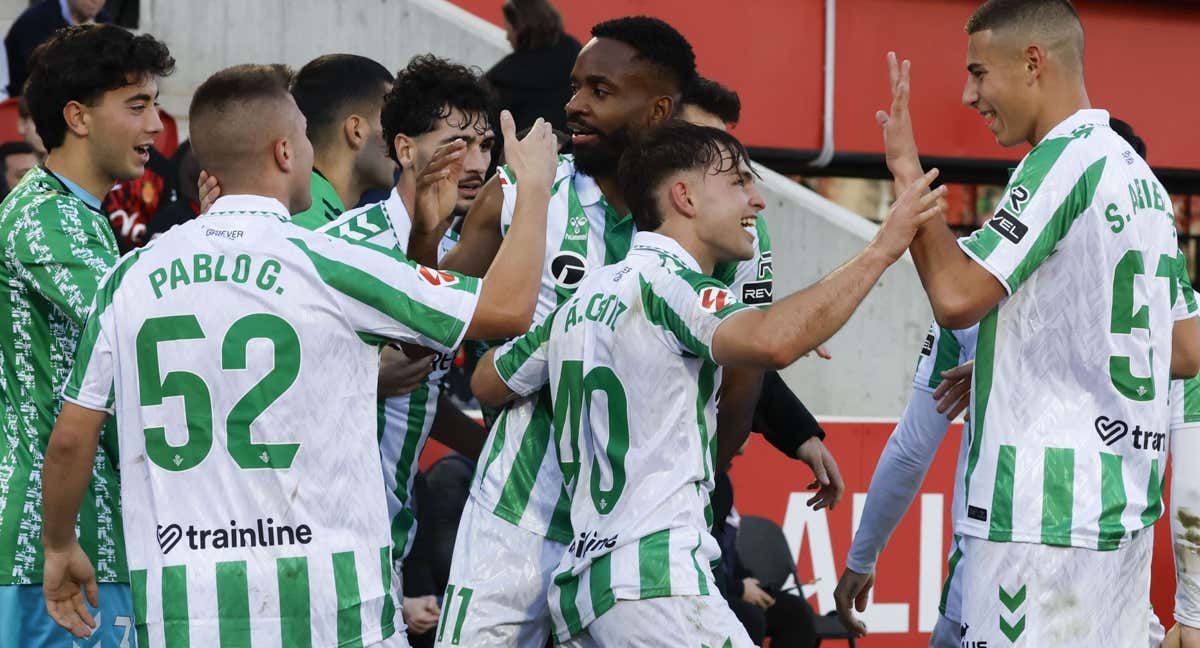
[93,375]
[523,363]
[384,294]
[687,307]
[61,249]
[751,280]
[1048,193]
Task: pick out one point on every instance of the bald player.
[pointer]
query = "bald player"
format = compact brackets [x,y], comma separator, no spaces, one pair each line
[239,354]
[1073,283]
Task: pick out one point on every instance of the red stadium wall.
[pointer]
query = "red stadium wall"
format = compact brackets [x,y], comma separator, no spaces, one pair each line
[911,569]
[1140,59]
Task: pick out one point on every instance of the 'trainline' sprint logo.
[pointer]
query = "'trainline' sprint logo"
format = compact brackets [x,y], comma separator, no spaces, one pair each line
[262,533]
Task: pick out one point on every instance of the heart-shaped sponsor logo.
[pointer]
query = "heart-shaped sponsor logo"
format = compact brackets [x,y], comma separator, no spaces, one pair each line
[168,537]
[1111,430]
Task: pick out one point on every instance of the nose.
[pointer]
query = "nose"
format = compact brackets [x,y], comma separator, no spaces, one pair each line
[970,95]
[476,159]
[756,199]
[155,124]
[576,105]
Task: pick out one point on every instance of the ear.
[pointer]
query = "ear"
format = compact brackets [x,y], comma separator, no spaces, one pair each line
[354,129]
[662,109]
[406,150]
[75,114]
[285,157]
[1034,60]
[679,196]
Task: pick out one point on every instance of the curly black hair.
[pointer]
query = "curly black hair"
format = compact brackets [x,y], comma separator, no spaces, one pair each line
[656,42]
[330,87]
[429,89]
[83,62]
[714,98]
[674,146]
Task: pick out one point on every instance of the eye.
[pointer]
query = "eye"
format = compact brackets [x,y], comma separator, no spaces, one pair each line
[601,93]
[138,108]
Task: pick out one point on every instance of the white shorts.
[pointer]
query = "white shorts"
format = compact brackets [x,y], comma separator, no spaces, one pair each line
[666,622]
[1032,595]
[499,575]
[1185,522]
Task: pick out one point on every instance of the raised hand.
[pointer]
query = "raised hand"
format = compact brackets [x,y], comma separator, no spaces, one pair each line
[208,189]
[899,144]
[533,159]
[437,185]
[910,211]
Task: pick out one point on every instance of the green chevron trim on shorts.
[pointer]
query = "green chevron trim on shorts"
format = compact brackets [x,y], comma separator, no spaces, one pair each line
[1112,501]
[295,613]
[1058,495]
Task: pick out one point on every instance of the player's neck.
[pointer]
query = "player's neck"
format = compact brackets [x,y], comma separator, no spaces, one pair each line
[1059,109]
[339,171]
[406,187]
[682,231]
[73,161]
[612,193]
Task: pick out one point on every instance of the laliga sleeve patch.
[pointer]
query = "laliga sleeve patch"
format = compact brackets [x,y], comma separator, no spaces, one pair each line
[713,299]
[436,277]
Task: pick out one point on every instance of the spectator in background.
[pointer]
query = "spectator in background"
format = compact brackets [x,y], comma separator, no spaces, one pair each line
[35,25]
[28,130]
[185,201]
[534,81]
[16,158]
[132,205]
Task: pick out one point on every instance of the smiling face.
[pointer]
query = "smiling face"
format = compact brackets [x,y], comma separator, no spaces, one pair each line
[727,204]
[121,127]
[999,88]
[614,98]
[472,128]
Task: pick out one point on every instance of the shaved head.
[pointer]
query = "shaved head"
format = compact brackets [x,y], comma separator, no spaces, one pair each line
[245,126]
[1053,24]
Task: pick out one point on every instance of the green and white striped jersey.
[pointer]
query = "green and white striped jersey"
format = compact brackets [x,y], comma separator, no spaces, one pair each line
[518,477]
[638,469]
[1072,368]
[404,421]
[56,249]
[1185,396]
[239,354]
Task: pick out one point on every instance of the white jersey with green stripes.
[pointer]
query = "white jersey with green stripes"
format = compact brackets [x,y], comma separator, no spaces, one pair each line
[239,355]
[518,478]
[1185,395]
[404,421]
[1069,411]
[639,469]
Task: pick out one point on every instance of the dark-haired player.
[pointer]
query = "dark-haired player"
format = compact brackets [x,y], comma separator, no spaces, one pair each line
[1073,283]
[98,123]
[632,359]
[707,103]
[340,96]
[238,354]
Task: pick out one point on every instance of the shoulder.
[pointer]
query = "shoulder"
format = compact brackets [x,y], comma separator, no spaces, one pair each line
[359,223]
[39,200]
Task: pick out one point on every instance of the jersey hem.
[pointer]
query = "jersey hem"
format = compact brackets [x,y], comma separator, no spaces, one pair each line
[75,400]
[1073,541]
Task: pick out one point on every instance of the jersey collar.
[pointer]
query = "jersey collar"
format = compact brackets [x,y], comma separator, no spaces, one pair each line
[1081,118]
[664,245]
[249,204]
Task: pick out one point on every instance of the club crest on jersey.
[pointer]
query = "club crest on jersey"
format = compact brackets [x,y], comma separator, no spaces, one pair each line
[577,228]
[567,269]
[436,277]
[714,299]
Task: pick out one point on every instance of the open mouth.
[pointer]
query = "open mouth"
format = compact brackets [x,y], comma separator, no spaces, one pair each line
[469,188]
[143,152]
[581,134]
[749,222]
[989,117]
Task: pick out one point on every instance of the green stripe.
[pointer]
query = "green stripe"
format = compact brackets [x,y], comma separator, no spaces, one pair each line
[705,384]
[948,352]
[1154,488]
[414,431]
[1058,499]
[1112,501]
[514,496]
[295,623]
[985,352]
[618,234]
[951,567]
[497,438]
[660,313]
[233,604]
[560,520]
[1001,526]
[1185,283]
[1074,204]
[524,347]
[654,564]
[175,606]
[349,602]
[366,288]
[600,584]
[702,582]
[137,586]
[387,621]
[578,241]
[568,590]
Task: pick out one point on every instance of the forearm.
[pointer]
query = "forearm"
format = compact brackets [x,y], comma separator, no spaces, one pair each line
[423,242]
[782,419]
[898,476]
[943,268]
[740,389]
[1185,347]
[456,430]
[66,472]
[511,285]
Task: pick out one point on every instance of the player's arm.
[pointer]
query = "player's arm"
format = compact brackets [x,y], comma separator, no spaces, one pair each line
[479,240]
[518,368]
[1185,347]
[898,476]
[775,338]
[740,389]
[62,256]
[456,430]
